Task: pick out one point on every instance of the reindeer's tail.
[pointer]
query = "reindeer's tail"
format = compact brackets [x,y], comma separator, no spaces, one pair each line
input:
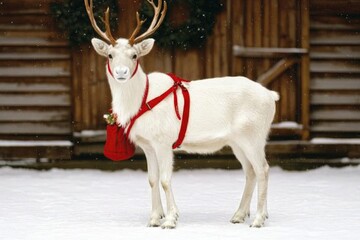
[275,95]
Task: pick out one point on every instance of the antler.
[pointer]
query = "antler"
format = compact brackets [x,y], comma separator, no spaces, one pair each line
[105,35]
[155,24]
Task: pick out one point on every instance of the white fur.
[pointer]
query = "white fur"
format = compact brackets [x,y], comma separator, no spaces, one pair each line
[227,111]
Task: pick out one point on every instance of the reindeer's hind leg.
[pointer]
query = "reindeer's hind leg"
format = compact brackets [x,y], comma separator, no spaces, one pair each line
[255,153]
[244,208]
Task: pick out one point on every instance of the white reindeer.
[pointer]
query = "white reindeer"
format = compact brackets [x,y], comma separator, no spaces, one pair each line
[227,111]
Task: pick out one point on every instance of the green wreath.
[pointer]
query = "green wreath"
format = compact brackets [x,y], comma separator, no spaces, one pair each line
[187,24]
[71,17]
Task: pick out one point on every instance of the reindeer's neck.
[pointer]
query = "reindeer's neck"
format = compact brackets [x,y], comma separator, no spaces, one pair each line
[127,97]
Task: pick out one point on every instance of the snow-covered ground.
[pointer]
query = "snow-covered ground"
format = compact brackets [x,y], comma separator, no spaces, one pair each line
[91,204]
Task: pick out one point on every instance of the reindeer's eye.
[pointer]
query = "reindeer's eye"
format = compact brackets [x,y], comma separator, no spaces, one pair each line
[134,56]
[110,56]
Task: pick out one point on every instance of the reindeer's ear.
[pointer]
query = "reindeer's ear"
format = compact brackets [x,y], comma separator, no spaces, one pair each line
[145,46]
[100,47]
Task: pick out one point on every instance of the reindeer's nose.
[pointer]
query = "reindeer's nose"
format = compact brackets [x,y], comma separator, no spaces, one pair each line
[122,72]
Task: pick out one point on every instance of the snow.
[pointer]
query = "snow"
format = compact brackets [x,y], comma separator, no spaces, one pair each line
[30,143]
[90,133]
[335,141]
[287,124]
[92,204]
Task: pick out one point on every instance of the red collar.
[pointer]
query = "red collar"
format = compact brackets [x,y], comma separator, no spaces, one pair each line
[109,68]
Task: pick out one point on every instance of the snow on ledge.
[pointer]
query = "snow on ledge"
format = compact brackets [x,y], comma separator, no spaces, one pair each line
[287,124]
[350,160]
[90,133]
[30,143]
[335,141]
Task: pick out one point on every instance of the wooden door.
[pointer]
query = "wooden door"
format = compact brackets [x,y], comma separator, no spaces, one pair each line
[271,45]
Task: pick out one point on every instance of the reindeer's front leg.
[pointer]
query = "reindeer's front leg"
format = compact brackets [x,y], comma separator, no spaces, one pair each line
[165,161]
[157,211]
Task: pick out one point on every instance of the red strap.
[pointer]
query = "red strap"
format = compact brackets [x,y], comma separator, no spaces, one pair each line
[146,106]
[185,117]
[186,110]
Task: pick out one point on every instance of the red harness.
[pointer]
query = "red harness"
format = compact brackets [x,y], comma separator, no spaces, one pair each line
[117,137]
[147,106]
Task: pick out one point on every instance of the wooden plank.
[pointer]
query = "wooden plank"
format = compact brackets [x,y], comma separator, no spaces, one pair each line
[40,99]
[249,38]
[215,54]
[292,23]
[266,24]
[85,95]
[249,24]
[35,115]
[305,68]
[344,50]
[335,55]
[274,41]
[330,22]
[293,103]
[281,66]
[334,67]
[34,18]
[284,93]
[336,114]
[33,72]
[105,99]
[238,36]
[53,128]
[257,22]
[76,85]
[266,52]
[93,91]
[38,152]
[283,24]
[324,7]
[33,87]
[335,40]
[329,26]
[336,126]
[334,99]
[34,56]
[266,32]
[13,6]
[31,42]
[335,84]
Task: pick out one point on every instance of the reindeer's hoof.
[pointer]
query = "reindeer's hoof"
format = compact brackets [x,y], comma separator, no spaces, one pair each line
[259,221]
[239,217]
[256,225]
[236,220]
[168,224]
[154,222]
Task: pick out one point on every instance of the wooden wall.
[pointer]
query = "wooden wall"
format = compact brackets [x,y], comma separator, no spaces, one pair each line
[335,68]
[245,23]
[91,94]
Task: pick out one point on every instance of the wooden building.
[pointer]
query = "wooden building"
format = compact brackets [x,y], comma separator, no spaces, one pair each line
[53,97]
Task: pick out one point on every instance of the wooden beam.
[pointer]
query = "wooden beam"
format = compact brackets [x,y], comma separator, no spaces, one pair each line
[260,52]
[280,67]
[305,69]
